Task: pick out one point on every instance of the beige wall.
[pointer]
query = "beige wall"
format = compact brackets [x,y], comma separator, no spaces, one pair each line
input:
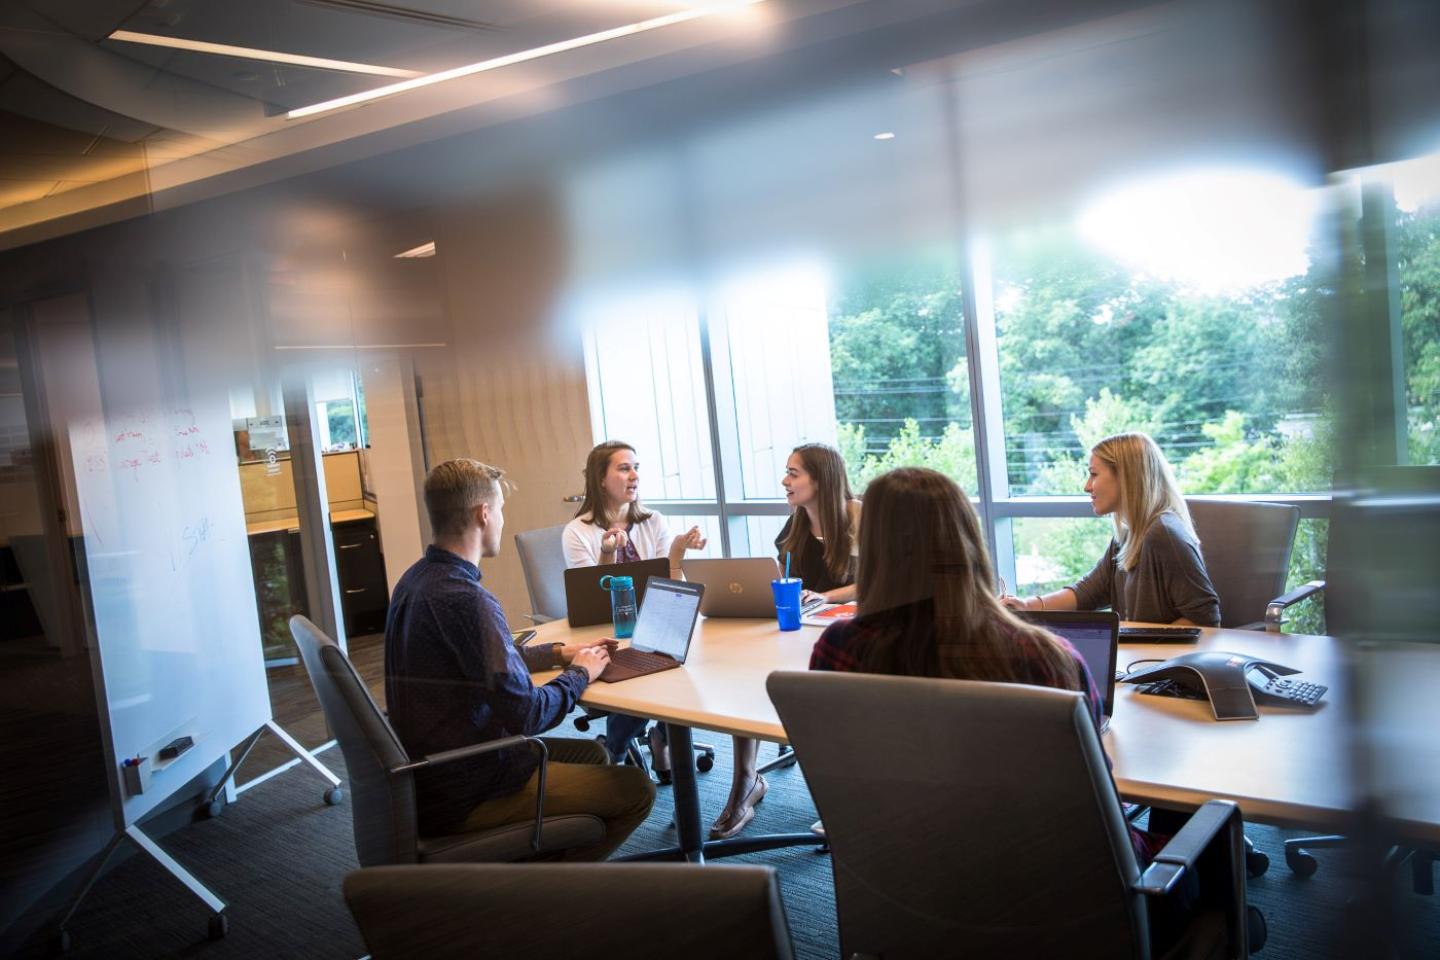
[393,466]
[510,387]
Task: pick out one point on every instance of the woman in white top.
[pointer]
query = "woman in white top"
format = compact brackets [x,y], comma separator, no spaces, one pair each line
[612,527]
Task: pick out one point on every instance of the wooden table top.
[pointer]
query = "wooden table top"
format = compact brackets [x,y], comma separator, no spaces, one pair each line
[1292,766]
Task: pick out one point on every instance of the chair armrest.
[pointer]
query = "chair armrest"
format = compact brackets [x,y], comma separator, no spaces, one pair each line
[490,746]
[1180,854]
[460,753]
[1275,609]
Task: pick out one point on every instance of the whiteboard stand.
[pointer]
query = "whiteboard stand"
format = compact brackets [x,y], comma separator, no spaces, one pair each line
[219,925]
[214,804]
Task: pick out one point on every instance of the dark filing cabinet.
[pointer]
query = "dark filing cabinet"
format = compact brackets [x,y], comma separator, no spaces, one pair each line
[360,568]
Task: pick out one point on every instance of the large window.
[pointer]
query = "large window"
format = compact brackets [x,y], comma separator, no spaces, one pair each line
[647,385]
[897,355]
[1182,307]
[1189,302]
[1416,239]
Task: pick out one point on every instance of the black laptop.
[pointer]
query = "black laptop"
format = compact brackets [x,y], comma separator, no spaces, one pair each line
[1095,635]
[589,603]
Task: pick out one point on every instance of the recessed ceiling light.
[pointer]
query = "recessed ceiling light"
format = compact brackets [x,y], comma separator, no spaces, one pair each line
[250,53]
[887,135]
[549,49]
[424,250]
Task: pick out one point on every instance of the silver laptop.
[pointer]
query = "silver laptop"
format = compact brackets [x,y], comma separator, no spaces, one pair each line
[738,587]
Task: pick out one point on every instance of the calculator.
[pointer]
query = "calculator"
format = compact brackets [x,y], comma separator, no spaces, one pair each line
[1268,685]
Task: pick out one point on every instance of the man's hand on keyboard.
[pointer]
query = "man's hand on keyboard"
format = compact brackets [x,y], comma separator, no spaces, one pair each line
[594,659]
[569,650]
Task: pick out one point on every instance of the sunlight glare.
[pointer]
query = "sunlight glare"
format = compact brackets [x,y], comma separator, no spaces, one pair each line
[1213,230]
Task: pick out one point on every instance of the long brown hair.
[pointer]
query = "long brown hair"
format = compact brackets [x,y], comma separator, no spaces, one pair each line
[920,540]
[827,468]
[597,464]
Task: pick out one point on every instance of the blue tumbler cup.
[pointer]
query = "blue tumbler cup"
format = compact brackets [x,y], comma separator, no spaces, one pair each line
[787,602]
[622,604]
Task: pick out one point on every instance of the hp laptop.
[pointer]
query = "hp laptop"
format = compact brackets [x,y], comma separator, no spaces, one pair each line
[739,587]
[589,603]
[663,632]
[1095,635]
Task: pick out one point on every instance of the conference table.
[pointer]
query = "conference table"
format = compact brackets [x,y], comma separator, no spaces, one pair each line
[1292,767]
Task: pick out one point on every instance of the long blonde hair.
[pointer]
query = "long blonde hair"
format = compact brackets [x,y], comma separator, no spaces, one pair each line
[1148,491]
[920,540]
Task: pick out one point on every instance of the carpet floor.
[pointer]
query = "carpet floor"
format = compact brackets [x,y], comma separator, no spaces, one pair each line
[279,854]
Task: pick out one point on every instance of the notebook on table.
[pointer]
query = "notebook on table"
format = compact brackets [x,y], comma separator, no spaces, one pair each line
[662,632]
[589,603]
[1095,635]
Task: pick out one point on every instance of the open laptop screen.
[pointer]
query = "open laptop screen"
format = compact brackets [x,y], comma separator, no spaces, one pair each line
[667,617]
[1095,636]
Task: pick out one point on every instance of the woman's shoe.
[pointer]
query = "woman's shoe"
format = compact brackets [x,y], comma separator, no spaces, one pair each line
[659,755]
[741,814]
[722,822]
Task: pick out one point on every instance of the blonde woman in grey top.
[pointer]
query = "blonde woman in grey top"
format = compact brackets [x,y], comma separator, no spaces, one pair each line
[1152,571]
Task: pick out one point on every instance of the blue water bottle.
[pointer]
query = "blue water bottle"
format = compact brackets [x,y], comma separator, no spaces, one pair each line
[622,604]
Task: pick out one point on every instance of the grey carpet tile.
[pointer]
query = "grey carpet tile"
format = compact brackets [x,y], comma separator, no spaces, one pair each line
[279,855]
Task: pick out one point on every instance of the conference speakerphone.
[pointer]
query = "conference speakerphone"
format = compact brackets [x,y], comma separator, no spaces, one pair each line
[1230,681]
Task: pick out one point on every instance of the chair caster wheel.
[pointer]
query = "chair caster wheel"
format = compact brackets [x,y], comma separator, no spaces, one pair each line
[582,724]
[214,808]
[334,795]
[705,762]
[1301,863]
[219,926]
[1256,928]
[1256,863]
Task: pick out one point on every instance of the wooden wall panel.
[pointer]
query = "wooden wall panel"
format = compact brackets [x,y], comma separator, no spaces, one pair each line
[510,389]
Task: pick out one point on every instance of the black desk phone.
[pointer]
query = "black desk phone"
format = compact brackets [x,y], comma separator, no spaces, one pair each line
[1232,682]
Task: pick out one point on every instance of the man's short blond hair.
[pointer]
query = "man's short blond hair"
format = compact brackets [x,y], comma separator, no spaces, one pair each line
[454,489]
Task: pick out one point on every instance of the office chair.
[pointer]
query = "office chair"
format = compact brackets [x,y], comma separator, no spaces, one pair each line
[382,781]
[552,912]
[1008,841]
[542,560]
[1246,546]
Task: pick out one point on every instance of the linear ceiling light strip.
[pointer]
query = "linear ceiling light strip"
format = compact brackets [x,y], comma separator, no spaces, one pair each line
[250,53]
[549,49]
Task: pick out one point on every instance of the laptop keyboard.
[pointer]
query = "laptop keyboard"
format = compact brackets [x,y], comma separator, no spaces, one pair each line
[640,659]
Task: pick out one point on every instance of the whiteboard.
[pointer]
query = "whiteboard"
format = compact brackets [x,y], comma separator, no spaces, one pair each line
[171,592]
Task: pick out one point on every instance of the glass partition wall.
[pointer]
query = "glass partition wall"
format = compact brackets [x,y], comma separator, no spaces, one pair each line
[1185,301]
